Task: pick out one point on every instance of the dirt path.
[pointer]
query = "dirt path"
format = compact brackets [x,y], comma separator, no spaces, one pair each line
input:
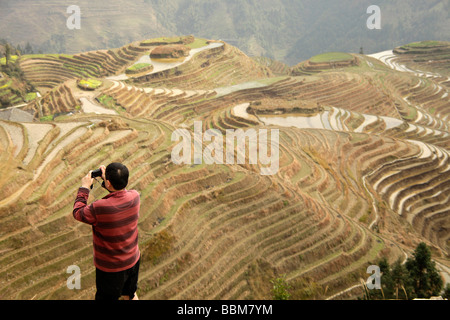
[36,132]
[75,135]
[89,106]
[16,135]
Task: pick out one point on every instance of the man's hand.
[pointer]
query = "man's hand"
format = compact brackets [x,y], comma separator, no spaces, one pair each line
[87,181]
[103,168]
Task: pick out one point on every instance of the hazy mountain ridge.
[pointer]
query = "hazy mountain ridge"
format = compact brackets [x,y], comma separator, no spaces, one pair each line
[286,30]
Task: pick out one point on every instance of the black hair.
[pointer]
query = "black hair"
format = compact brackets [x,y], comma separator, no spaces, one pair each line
[117,174]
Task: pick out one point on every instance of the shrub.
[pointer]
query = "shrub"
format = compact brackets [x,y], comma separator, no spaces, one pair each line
[280,290]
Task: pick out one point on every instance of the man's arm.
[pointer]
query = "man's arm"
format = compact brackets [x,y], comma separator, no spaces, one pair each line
[81,211]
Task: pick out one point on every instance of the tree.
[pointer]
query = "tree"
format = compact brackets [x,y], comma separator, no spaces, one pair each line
[7,53]
[446,294]
[426,279]
[4,102]
[401,281]
[386,280]
[28,49]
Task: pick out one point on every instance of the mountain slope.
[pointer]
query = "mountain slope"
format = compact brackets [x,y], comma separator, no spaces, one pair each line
[363,172]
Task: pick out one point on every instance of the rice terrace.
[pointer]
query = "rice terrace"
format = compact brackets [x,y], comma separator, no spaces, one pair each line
[364,167]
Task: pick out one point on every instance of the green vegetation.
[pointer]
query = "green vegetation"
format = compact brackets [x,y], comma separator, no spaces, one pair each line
[89,83]
[331,57]
[6,85]
[446,294]
[107,101]
[46,118]
[162,40]
[14,88]
[198,43]
[139,66]
[280,290]
[110,103]
[30,96]
[159,245]
[13,59]
[422,44]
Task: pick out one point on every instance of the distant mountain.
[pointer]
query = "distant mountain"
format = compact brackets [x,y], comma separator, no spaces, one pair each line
[287,30]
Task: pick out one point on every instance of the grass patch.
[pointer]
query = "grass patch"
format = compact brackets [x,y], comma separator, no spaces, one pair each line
[6,85]
[46,118]
[162,40]
[110,103]
[90,83]
[45,55]
[138,66]
[30,96]
[198,43]
[422,44]
[331,57]
[269,81]
[13,59]
[107,101]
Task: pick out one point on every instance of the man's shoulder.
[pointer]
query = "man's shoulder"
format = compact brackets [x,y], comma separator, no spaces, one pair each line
[131,197]
[134,193]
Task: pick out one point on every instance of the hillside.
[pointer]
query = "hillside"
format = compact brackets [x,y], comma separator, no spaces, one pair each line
[364,146]
[290,31]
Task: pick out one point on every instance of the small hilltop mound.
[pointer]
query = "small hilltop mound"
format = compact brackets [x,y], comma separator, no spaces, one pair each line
[172,51]
[423,47]
[278,106]
[164,40]
[114,124]
[325,61]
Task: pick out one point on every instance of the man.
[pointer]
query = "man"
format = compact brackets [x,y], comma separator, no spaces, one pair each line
[114,221]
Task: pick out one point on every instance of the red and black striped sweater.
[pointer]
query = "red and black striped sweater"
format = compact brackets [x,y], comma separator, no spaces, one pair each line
[114,221]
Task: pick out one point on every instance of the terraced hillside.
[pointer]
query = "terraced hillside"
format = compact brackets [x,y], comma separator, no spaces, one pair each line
[47,71]
[425,56]
[363,174]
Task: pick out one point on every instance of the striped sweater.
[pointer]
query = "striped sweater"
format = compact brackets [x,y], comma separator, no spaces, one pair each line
[114,221]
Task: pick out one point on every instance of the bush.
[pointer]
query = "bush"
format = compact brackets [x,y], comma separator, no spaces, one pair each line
[280,290]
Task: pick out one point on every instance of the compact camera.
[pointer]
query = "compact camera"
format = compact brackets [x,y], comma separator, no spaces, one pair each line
[97,174]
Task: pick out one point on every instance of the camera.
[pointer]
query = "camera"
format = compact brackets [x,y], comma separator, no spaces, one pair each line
[96,173]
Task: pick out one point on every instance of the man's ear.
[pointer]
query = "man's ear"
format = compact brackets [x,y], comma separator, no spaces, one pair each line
[108,185]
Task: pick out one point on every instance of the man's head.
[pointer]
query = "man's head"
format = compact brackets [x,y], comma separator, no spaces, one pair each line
[117,175]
